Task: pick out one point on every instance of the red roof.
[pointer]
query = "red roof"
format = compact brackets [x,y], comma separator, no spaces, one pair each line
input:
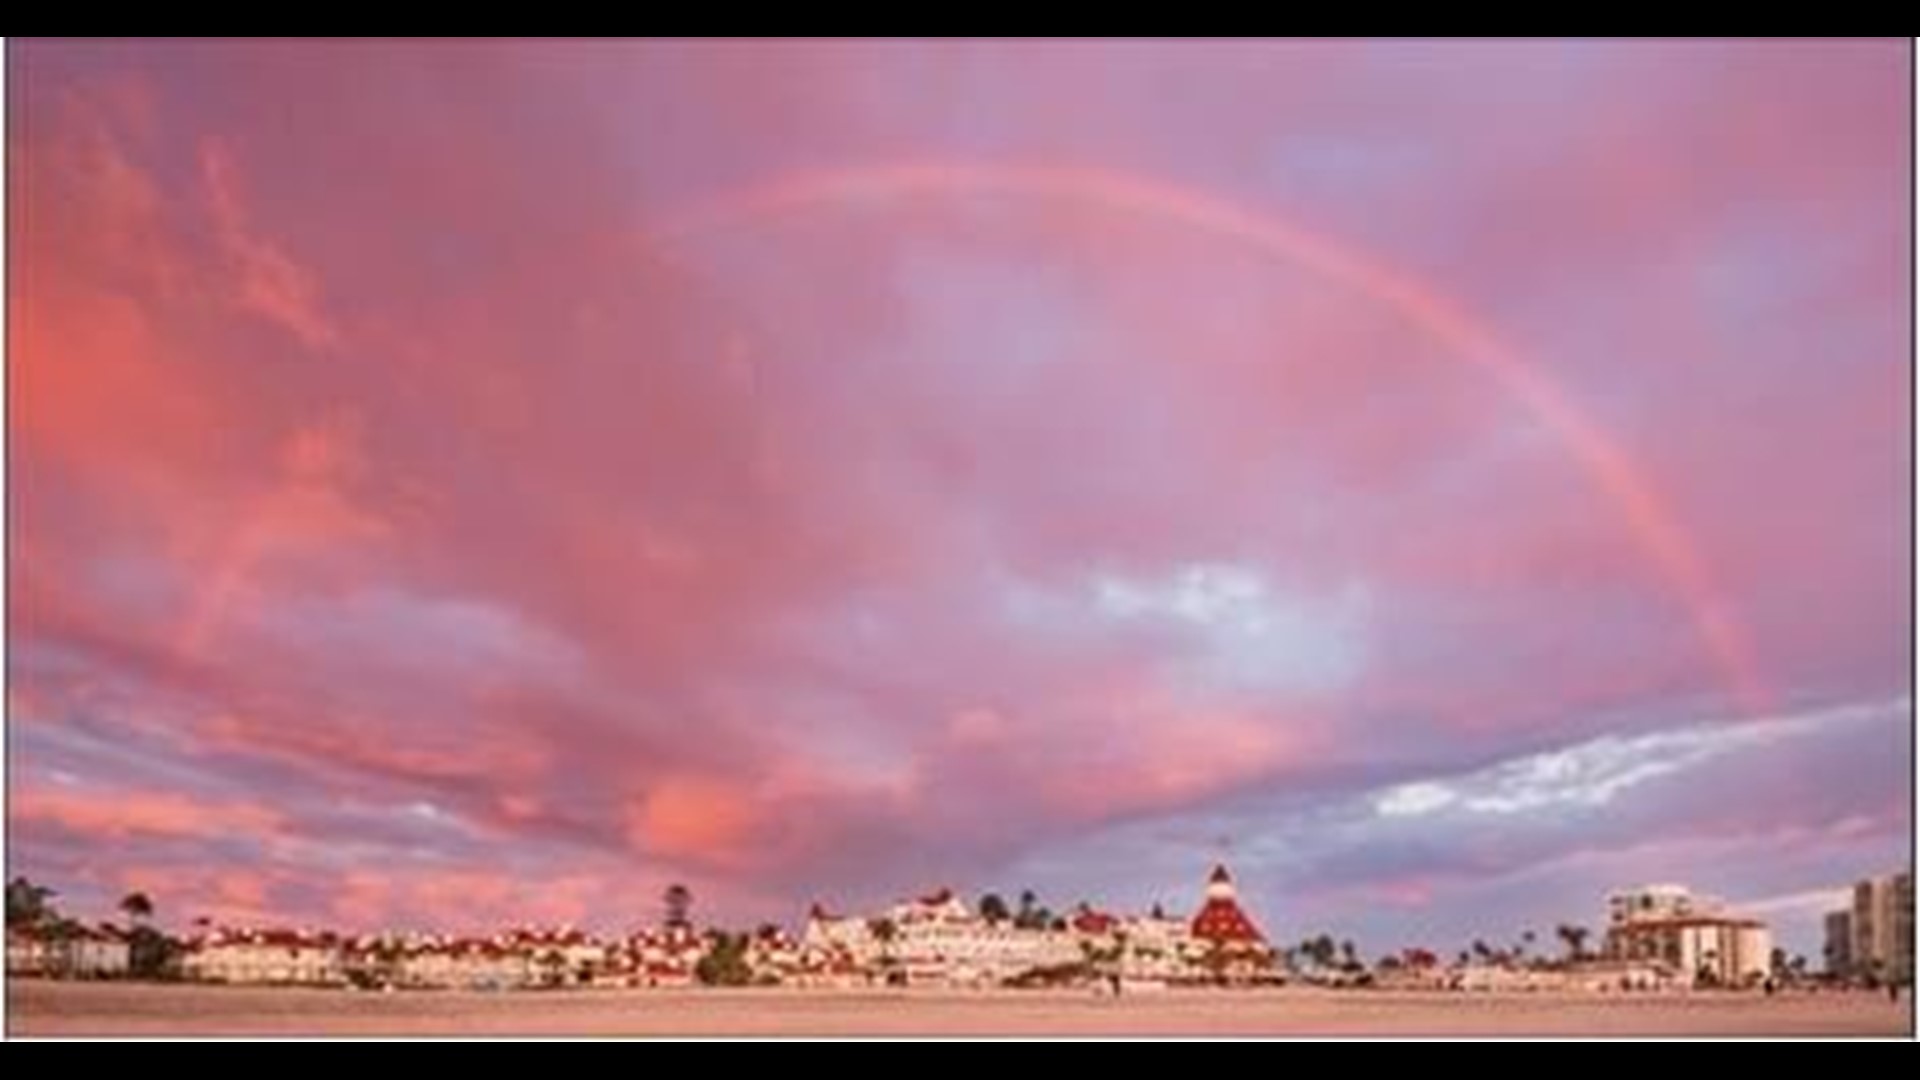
[279,936]
[1221,920]
[1090,921]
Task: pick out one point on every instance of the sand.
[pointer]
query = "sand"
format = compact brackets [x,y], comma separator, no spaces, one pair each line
[48,1008]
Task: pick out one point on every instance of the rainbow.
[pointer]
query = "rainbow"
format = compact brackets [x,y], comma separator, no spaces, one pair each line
[1654,530]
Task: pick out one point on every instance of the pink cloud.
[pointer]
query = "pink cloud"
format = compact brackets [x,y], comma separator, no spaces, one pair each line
[270,283]
[131,814]
[377,448]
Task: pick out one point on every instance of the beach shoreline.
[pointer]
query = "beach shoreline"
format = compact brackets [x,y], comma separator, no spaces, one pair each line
[38,1007]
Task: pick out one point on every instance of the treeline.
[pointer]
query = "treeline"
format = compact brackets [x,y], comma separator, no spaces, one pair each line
[151,953]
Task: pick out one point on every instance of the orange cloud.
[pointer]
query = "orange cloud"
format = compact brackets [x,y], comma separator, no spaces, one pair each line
[124,814]
[376,744]
[696,818]
[91,370]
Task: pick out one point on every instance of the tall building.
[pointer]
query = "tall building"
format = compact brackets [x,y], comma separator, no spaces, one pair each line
[1882,925]
[1838,950]
[1691,936]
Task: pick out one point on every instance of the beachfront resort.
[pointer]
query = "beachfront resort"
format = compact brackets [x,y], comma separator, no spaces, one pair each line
[1656,938]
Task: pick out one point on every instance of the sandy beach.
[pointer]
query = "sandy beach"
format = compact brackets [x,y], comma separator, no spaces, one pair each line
[47,1008]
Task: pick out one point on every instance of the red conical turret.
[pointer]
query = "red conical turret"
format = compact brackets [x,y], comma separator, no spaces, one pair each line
[1220,919]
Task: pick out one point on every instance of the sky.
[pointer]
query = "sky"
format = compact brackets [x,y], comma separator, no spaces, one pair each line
[465,484]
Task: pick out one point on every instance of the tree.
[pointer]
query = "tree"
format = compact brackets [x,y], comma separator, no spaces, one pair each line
[1321,950]
[1482,951]
[1029,915]
[1349,956]
[28,904]
[1575,939]
[150,953]
[1158,911]
[678,900]
[137,905]
[725,961]
[994,909]
[60,928]
[884,931]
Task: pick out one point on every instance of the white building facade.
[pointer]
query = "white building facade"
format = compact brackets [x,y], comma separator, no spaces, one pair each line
[1693,938]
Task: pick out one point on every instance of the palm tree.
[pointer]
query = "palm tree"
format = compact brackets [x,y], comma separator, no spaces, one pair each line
[1349,957]
[1027,916]
[150,952]
[1482,951]
[27,903]
[137,906]
[1575,938]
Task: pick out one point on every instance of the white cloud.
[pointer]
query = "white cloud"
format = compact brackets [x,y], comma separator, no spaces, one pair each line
[1414,800]
[1208,594]
[1592,773]
[1809,902]
[1249,633]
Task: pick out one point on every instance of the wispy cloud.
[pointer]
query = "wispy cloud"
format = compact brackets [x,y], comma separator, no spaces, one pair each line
[1592,773]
